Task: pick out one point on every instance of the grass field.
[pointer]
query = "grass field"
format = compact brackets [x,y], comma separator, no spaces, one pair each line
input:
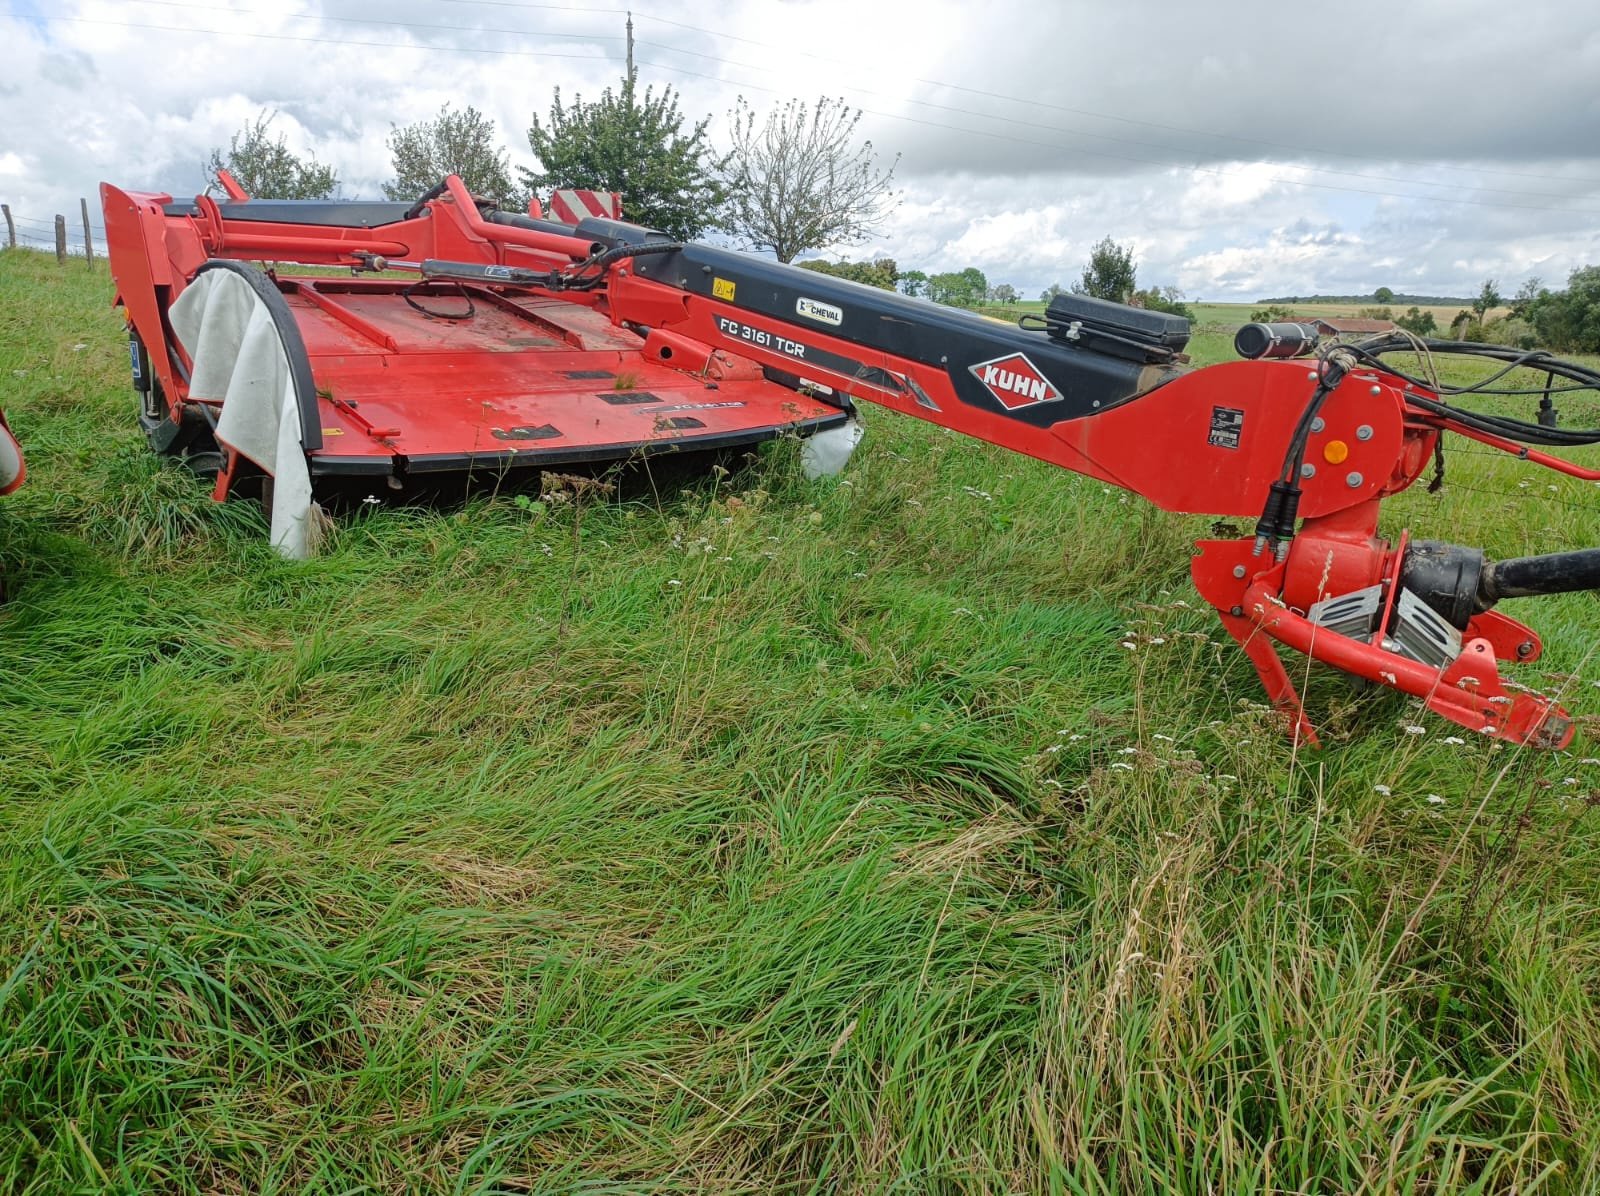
[907,832]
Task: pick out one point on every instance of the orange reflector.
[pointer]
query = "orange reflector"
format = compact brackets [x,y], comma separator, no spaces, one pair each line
[1335,451]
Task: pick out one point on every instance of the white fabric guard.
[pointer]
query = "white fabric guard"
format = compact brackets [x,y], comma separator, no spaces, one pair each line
[824,454]
[239,358]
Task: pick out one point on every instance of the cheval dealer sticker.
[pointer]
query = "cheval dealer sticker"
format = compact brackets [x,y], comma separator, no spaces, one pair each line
[1016,382]
[824,313]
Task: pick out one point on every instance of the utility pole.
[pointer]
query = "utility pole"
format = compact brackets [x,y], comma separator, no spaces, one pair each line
[630,45]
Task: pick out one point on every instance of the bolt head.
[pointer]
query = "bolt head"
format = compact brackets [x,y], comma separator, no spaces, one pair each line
[1375,391]
[1239,571]
[1318,424]
[1364,432]
[1353,480]
[1308,470]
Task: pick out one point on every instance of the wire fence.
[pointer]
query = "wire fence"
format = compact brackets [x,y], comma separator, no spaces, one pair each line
[67,236]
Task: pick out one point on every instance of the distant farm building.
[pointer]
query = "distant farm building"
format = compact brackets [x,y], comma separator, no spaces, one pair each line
[1332,327]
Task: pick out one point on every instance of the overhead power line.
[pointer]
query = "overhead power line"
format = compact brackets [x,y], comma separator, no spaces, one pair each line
[1032,102]
[983,133]
[1212,170]
[1011,120]
[388,24]
[290,37]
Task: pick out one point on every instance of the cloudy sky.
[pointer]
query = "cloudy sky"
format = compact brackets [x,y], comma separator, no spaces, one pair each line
[1245,150]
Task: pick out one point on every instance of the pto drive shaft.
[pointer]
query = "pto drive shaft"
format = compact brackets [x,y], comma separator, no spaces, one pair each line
[1459,583]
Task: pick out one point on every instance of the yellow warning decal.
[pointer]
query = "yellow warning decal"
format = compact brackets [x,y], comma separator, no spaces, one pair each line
[722,288]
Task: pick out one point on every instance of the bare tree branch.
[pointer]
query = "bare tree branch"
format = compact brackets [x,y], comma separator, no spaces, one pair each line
[796,180]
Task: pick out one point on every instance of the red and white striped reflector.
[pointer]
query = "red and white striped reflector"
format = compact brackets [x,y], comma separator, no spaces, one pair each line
[569,207]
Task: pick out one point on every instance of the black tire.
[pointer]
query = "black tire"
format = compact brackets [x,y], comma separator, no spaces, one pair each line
[190,441]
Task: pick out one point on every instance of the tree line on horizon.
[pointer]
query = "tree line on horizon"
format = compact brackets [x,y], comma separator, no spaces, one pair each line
[1566,321]
[793,178]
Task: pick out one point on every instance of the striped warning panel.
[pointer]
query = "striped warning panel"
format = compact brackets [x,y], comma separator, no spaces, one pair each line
[571,206]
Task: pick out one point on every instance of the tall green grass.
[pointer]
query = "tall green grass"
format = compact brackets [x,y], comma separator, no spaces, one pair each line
[776,837]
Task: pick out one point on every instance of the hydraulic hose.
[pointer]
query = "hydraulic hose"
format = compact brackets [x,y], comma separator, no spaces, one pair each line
[1552,573]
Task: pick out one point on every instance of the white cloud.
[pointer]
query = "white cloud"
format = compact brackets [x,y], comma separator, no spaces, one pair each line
[1238,155]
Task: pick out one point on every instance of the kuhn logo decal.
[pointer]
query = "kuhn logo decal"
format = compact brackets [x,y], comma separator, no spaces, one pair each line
[1016,382]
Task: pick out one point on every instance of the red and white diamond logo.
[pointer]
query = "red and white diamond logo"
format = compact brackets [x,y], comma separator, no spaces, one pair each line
[1016,382]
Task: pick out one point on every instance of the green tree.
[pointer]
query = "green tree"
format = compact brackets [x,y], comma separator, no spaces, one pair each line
[798,179]
[1167,299]
[1418,322]
[1488,299]
[883,273]
[461,143]
[1110,273]
[1003,293]
[668,177]
[1527,294]
[268,169]
[1051,291]
[1383,295]
[1569,321]
[959,288]
[1272,314]
[914,283]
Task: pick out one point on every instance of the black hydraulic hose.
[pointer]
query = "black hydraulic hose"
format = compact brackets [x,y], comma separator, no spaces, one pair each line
[1552,573]
[580,278]
[415,210]
[1507,427]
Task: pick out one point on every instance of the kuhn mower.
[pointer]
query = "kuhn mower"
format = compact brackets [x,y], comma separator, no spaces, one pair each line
[518,343]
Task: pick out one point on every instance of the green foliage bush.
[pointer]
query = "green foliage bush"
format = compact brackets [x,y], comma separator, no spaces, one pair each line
[1272,313]
[1418,321]
[1569,321]
[959,288]
[634,144]
[883,273]
[1167,299]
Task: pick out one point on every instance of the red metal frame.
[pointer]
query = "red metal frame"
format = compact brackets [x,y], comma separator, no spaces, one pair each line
[530,382]
[1369,443]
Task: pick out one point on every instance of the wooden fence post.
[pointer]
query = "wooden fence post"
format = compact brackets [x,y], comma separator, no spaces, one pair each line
[61,240]
[11,229]
[88,243]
